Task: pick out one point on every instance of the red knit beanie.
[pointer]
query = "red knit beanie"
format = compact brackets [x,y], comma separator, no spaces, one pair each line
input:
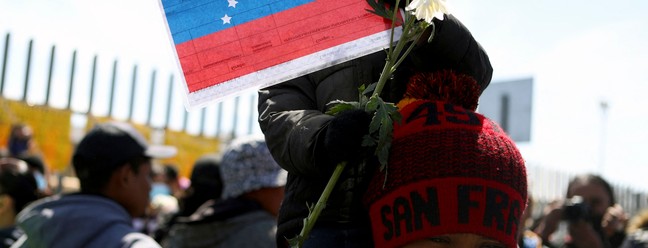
[450,170]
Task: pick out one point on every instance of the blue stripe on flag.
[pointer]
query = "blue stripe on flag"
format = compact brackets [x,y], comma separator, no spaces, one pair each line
[191,19]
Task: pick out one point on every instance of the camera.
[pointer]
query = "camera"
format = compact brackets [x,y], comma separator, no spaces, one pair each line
[575,209]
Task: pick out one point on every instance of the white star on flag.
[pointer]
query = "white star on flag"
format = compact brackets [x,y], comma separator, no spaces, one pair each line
[226,19]
[232,3]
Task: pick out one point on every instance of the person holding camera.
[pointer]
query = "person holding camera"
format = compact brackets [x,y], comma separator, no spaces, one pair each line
[590,212]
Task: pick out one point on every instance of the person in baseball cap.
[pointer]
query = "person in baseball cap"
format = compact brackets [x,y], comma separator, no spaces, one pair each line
[113,163]
[454,178]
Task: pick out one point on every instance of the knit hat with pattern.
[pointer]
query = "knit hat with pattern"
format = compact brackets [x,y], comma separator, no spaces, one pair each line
[450,170]
[247,165]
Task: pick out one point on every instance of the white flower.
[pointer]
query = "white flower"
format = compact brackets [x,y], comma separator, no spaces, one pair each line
[427,9]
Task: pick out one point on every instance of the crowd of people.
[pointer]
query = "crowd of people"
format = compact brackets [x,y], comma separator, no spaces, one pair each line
[234,198]
[454,177]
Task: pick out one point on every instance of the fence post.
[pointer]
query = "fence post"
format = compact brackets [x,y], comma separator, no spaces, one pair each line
[219,118]
[27,70]
[185,120]
[70,90]
[132,96]
[49,76]
[237,99]
[4,64]
[112,88]
[202,121]
[92,84]
[252,119]
[168,105]
[150,103]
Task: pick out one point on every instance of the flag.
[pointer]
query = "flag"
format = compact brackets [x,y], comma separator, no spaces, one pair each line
[227,46]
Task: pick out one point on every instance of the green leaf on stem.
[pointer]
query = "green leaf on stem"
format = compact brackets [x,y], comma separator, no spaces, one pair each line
[339,106]
[368,141]
[433,27]
[380,9]
[370,89]
[381,126]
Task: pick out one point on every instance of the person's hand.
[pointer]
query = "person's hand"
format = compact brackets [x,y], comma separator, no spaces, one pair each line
[549,223]
[583,235]
[614,220]
[343,135]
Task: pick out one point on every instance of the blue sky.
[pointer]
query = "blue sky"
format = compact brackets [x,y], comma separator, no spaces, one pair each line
[578,52]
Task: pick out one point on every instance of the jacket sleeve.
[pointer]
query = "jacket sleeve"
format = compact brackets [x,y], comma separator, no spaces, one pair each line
[291,122]
[292,114]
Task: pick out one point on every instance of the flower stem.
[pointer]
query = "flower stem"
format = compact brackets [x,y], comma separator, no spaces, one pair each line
[392,55]
[409,49]
[384,75]
[309,222]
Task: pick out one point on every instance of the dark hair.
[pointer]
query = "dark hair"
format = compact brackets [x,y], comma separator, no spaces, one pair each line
[18,183]
[206,184]
[595,179]
[171,172]
[94,173]
[34,162]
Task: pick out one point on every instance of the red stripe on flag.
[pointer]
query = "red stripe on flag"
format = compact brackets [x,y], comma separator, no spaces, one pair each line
[216,39]
[255,27]
[185,49]
[190,64]
[286,52]
[260,42]
[205,74]
[220,54]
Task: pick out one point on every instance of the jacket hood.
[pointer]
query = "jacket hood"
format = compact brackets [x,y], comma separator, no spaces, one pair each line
[76,220]
[240,223]
[220,210]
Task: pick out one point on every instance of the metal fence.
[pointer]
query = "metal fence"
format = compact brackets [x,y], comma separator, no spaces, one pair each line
[158,97]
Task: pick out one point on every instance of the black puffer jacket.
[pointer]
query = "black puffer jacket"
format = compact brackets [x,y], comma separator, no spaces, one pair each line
[291,116]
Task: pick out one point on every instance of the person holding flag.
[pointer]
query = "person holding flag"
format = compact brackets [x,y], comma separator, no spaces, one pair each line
[308,143]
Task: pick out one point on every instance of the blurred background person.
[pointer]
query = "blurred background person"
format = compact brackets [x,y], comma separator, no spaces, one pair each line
[590,214]
[22,145]
[17,189]
[206,184]
[36,166]
[637,231]
[165,190]
[173,180]
[20,140]
[526,237]
[205,189]
[167,181]
[253,188]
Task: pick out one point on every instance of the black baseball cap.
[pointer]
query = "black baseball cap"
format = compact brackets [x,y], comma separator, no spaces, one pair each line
[117,142]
